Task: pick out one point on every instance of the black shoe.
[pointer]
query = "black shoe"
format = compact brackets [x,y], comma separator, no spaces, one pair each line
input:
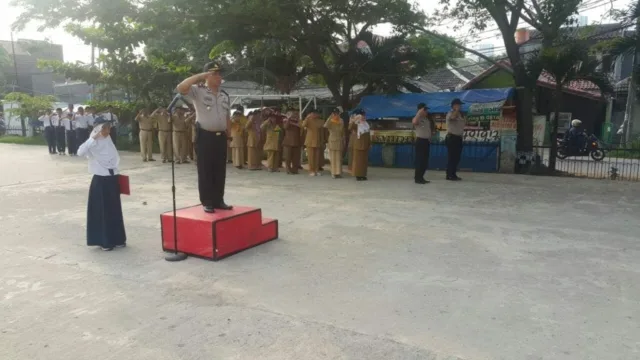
[152,159]
[144,160]
[422,181]
[223,206]
[451,178]
[456,178]
[209,209]
[106,248]
[121,246]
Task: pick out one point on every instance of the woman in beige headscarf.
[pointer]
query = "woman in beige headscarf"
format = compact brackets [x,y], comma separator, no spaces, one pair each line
[253,141]
[271,145]
[313,125]
[361,144]
[336,138]
[237,139]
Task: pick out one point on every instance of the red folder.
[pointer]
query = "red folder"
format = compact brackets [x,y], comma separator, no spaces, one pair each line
[123,180]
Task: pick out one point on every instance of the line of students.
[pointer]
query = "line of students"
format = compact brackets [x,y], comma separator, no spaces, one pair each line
[284,137]
[176,134]
[66,130]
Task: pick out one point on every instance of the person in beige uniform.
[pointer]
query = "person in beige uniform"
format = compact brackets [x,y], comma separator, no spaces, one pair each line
[146,123]
[179,136]
[271,145]
[313,126]
[352,140]
[253,131]
[361,145]
[237,139]
[190,121]
[453,140]
[161,118]
[336,139]
[324,138]
[292,142]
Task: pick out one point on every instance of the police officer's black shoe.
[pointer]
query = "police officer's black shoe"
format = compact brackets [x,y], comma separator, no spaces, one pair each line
[209,209]
[223,206]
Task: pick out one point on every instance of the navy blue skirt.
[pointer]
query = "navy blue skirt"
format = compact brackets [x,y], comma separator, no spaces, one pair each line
[105,226]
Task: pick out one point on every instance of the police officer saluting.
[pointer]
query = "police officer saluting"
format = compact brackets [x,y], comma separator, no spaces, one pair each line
[213,122]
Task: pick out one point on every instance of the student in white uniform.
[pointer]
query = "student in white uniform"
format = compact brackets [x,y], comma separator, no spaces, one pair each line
[49,130]
[70,130]
[105,224]
[110,116]
[82,125]
[61,142]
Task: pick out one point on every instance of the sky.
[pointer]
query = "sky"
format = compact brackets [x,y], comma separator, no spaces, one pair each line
[76,50]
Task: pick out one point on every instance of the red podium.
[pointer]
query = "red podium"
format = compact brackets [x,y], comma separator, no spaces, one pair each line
[218,235]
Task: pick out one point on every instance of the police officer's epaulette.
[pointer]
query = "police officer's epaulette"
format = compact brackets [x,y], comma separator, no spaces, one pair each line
[224,92]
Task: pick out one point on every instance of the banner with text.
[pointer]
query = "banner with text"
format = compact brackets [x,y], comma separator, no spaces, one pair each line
[393,136]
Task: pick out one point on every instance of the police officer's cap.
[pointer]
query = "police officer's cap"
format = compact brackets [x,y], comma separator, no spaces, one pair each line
[456,102]
[240,108]
[336,110]
[212,67]
[423,106]
[358,111]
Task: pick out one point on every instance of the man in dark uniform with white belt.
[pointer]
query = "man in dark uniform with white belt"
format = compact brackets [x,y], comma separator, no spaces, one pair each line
[213,122]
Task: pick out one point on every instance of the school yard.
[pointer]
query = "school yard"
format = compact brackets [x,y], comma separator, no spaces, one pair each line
[494,267]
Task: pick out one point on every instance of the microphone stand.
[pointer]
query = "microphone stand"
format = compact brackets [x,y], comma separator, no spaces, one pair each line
[176,256]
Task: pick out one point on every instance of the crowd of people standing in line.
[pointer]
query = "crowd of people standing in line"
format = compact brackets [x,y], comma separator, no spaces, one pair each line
[281,135]
[65,130]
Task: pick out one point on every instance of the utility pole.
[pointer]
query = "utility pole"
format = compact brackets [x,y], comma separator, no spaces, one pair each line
[93,63]
[23,124]
[630,112]
[15,64]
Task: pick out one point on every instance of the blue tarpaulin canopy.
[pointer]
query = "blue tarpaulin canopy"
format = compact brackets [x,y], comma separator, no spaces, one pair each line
[405,105]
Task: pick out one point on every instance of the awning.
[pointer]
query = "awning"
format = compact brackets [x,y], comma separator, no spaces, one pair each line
[405,105]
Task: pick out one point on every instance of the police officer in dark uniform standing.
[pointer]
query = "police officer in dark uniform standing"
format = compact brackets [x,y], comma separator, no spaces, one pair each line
[213,123]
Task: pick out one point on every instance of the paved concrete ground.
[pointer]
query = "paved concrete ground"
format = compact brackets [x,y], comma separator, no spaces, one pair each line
[495,267]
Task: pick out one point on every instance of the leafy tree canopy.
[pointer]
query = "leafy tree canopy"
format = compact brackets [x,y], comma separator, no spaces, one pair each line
[319,38]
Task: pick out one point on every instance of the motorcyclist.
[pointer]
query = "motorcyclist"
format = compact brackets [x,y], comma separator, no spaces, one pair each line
[575,137]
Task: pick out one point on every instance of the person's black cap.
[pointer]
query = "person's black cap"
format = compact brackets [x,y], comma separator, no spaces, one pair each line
[423,106]
[101,120]
[212,67]
[240,108]
[358,111]
[312,111]
[336,111]
[456,102]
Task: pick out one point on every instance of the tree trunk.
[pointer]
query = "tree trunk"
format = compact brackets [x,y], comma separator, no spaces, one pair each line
[23,125]
[553,153]
[524,124]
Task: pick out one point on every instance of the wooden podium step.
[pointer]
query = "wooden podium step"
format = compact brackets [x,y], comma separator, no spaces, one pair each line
[218,235]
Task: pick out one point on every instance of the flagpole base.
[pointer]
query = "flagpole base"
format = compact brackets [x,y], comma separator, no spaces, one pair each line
[176,257]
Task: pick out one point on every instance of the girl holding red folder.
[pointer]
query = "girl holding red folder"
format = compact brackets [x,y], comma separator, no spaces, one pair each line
[105,224]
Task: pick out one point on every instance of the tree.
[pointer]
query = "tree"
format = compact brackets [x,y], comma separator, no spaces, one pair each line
[29,107]
[273,64]
[566,65]
[323,33]
[326,31]
[545,16]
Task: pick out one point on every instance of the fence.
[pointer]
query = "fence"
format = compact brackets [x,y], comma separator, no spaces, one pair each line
[618,164]
[476,156]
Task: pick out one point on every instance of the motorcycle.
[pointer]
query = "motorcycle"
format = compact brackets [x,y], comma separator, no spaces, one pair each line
[591,148]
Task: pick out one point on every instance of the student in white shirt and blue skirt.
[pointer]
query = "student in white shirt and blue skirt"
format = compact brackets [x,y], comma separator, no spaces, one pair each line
[105,224]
